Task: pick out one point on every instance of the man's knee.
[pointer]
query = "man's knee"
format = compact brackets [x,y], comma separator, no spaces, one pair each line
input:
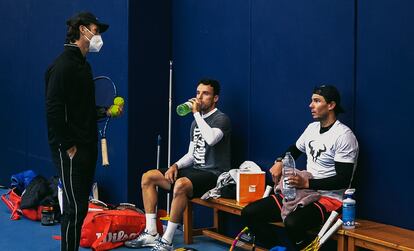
[182,186]
[149,177]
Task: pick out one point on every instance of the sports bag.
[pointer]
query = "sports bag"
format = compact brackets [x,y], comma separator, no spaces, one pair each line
[105,229]
[13,199]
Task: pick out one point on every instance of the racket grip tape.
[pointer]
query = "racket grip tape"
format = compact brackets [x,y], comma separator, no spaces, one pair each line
[104,149]
[328,223]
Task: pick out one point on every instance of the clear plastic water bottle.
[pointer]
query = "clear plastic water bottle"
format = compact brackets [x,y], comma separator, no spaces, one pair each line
[288,170]
[348,209]
[184,109]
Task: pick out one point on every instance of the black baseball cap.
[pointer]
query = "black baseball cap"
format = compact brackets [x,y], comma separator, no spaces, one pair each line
[330,93]
[86,18]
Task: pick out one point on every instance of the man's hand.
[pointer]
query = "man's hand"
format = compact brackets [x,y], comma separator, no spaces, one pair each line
[171,173]
[298,181]
[71,152]
[196,107]
[276,171]
[114,111]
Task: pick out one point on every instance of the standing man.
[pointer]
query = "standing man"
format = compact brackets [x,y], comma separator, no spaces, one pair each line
[72,121]
[195,173]
[331,150]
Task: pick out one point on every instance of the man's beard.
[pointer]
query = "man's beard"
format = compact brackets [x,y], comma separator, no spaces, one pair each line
[205,108]
[321,117]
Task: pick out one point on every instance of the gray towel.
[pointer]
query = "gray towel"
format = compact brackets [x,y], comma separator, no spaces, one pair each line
[303,196]
[223,180]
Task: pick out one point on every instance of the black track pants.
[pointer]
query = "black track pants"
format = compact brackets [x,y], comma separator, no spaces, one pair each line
[77,175]
[259,214]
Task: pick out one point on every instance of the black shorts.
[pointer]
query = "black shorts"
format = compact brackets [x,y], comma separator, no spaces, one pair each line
[202,181]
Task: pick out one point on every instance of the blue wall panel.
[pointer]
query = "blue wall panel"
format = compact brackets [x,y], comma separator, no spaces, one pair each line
[149,50]
[296,45]
[384,120]
[13,80]
[35,36]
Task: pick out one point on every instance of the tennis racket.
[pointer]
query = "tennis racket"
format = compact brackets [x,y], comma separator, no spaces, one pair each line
[326,231]
[105,92]
[236,240]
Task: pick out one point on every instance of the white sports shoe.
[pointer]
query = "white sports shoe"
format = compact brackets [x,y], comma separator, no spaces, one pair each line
[143,240]
[162,245]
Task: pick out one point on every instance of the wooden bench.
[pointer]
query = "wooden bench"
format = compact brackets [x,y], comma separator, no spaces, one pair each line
[376,236]
[367,234]
[229,206]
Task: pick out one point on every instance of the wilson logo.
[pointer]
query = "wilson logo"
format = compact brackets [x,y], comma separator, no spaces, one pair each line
[118,236]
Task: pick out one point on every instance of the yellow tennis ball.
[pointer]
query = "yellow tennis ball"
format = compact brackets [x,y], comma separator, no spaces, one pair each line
[119,101]
[115,111]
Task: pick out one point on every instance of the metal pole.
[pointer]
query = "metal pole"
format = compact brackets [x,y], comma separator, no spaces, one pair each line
[169,130]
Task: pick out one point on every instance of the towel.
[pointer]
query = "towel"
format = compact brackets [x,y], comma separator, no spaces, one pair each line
[303,196]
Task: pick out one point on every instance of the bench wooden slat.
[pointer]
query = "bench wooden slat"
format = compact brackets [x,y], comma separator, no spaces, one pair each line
[228,240]
[373,235]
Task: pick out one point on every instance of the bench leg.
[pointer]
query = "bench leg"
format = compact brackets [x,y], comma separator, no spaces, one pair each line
[351,244]
[216,219]
[188,223]
[342,243]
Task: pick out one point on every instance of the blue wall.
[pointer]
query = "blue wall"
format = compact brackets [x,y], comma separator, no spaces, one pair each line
[149,56]
[384,120]
[33,35]
[270,54]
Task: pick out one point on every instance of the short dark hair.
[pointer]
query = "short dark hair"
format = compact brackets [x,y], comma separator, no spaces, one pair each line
[213,83]
[72,33]
[330,93]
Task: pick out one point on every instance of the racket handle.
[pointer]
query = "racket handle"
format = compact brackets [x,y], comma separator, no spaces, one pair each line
[328,223]
[332,230]
[104,148]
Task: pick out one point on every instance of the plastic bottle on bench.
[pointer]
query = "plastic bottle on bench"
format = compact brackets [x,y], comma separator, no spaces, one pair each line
[348,209]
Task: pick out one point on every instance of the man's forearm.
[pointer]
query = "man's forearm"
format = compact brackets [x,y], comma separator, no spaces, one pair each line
[211,135]
[188,159]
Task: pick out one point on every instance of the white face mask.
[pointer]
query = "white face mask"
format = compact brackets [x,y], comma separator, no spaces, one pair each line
[95,43]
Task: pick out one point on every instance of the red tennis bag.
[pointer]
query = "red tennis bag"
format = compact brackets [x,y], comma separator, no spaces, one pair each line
[12,200]
[105,229]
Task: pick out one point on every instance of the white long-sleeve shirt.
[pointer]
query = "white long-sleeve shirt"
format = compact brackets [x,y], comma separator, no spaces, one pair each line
[211,135]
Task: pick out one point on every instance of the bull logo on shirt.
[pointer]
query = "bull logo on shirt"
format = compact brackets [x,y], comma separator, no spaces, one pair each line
[316,149]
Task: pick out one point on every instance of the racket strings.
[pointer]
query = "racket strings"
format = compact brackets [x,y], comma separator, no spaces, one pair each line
[313,246]
[105,93]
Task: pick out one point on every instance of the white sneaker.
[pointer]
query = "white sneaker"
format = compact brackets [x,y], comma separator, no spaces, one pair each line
[143,240]
[162,245]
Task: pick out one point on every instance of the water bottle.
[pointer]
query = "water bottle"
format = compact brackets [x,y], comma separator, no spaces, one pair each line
[288,170]
[348,209]
[185,108]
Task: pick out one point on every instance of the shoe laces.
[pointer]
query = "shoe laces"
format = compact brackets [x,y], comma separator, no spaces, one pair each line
[161,243]
[144,233]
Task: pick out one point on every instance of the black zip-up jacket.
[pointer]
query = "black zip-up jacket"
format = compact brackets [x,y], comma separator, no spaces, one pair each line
[70,101]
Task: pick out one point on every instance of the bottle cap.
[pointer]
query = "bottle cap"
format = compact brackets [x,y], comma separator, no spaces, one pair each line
[350,191]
